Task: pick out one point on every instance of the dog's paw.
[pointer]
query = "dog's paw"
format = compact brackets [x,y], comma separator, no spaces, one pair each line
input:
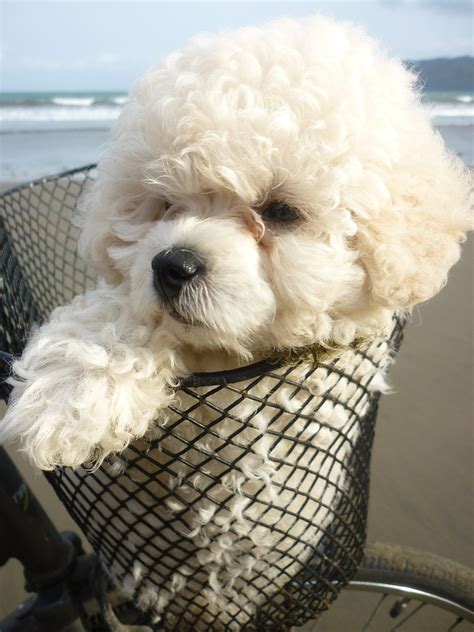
[84,387]
[73,402]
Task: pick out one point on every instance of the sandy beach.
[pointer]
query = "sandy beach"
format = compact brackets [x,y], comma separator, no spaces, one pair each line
[422,463]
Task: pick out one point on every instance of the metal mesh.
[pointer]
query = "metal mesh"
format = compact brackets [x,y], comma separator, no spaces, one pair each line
[245,507]
[38,262]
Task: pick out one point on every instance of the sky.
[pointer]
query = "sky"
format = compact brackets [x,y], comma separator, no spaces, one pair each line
[104,45]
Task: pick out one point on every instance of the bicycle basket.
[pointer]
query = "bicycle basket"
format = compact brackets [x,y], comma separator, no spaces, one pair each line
[246,508]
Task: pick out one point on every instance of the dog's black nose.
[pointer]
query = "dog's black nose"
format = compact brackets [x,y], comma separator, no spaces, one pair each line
[172,269]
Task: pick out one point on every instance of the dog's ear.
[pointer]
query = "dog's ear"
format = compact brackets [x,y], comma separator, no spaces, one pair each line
[94,216]
[111,219]
[418,215]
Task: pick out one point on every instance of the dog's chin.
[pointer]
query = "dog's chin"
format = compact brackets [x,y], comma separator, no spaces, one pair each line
[176,316]
[202,337]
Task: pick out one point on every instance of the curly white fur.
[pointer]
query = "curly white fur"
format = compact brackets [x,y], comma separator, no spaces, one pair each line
[309,113]
[92,380]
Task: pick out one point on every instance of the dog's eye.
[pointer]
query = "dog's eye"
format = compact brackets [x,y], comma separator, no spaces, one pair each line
[280,212]
[167,204]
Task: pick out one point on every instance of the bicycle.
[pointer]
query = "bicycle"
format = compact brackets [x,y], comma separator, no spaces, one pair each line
[36,229]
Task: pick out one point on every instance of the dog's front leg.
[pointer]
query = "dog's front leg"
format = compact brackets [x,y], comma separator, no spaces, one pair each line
[89,381]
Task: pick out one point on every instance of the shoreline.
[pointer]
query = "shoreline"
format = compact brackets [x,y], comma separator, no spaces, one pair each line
[32,154]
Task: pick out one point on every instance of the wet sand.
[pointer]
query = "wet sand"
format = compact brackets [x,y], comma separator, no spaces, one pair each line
[422,464]
[423,455]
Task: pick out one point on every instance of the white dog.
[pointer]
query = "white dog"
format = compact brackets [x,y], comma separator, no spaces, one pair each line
[265,189]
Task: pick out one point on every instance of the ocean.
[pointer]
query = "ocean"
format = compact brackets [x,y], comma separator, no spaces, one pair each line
[45,133]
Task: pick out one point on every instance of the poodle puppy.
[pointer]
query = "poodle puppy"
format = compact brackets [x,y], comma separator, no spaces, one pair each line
[264,190]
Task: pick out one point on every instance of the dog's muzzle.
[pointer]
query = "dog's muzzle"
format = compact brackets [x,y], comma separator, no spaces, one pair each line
[173,269]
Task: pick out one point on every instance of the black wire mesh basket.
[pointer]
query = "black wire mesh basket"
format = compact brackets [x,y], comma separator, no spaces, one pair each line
[245,509]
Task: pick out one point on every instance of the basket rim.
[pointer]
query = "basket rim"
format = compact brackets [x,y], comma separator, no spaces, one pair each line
[230,376]
[195,380]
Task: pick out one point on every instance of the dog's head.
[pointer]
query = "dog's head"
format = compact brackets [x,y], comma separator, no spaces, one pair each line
[275,187]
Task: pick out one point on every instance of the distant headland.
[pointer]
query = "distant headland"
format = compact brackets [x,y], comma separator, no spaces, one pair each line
[456,73]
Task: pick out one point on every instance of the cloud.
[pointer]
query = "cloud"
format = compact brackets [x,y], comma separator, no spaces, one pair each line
[108,59]
[446,6]
[458,48]
[102,60]
[442,6]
